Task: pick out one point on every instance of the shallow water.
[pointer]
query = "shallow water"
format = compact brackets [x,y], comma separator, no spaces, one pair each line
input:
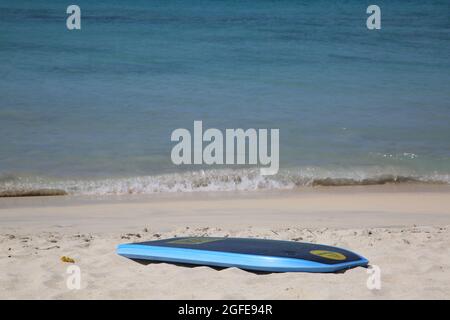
[92,111]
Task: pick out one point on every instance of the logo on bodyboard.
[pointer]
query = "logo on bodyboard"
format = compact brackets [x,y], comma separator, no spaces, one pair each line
[328,254]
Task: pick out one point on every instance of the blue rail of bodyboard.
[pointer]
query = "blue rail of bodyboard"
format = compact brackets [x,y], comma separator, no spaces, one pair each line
[228,259]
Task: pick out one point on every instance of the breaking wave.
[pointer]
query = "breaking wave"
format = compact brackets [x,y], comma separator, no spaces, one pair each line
[213,180]
[210,181]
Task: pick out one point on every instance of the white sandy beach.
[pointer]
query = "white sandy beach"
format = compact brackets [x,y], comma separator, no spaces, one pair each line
[404,231]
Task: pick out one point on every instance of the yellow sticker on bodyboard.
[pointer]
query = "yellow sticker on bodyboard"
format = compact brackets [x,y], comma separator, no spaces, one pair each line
[198,240]
[328,254]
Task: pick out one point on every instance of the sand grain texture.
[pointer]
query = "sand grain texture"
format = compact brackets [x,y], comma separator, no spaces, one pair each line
[414,258]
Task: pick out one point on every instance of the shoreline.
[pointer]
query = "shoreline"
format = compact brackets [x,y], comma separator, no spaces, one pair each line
[66,198]
[211,181]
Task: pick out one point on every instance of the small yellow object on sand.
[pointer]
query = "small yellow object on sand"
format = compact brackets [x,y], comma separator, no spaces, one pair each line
[67,259]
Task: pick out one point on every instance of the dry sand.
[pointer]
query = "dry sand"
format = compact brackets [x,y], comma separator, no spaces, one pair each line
[404,231]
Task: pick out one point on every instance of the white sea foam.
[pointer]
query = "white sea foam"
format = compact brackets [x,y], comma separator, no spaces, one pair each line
[214,180]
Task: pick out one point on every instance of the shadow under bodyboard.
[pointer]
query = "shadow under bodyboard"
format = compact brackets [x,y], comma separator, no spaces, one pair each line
[217,268]
[191,265]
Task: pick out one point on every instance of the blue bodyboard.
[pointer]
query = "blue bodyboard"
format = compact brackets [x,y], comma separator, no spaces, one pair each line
[245,253]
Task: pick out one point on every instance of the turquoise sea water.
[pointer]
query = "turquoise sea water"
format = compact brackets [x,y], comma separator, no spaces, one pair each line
[91,111]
